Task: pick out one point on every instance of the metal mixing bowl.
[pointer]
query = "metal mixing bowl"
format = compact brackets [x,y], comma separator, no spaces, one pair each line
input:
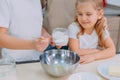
[59,62]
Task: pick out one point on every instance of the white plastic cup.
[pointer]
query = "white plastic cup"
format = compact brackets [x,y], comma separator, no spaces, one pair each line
[60,36]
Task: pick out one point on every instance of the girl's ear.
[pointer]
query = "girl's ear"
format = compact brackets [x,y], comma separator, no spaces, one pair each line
[100,14]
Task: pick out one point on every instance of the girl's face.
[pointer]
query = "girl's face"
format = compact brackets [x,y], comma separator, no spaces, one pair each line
[87,15]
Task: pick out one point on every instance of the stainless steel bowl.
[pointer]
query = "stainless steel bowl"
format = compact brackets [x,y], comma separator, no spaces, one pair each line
[59,62]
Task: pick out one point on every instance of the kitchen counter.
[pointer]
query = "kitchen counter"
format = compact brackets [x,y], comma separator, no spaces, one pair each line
[34,71]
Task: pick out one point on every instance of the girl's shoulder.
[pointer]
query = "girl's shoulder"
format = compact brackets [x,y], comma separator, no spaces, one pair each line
[73,30]
[74,26]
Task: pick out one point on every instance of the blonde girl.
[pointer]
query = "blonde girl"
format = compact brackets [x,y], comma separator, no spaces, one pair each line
[88,36]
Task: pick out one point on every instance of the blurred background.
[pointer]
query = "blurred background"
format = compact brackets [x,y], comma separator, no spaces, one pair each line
[112,12]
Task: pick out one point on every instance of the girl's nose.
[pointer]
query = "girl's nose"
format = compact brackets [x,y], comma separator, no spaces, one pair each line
[84,17]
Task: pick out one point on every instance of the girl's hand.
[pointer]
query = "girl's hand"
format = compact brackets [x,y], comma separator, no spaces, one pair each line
[87,59]
[41,43]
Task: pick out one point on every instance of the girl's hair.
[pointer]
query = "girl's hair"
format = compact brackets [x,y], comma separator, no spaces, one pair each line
[99,26]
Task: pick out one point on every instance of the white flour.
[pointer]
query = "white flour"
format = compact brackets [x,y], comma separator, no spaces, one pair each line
[60,38]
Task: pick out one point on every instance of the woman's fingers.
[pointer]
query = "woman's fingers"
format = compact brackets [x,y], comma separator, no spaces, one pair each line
[41,43]
[58,47]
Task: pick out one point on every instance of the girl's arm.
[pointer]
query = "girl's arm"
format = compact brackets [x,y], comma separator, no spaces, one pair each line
[74,46]
[89,55]
[10,42]
[109,50]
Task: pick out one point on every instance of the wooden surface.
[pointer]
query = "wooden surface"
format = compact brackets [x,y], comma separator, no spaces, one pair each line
[34,71]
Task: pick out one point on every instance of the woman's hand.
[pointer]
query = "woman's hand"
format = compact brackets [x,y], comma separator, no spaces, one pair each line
[53,44]
[41,43]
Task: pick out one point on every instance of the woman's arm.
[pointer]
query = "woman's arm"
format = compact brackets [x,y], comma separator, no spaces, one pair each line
[10,42]
[45,33]
[43,3]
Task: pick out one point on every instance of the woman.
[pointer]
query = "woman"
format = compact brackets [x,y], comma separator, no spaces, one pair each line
[20,25]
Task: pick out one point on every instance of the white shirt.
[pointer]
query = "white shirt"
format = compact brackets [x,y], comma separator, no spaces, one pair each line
[23,18]
[86,41]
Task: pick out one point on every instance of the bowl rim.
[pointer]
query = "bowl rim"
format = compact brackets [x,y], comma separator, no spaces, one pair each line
[59,50]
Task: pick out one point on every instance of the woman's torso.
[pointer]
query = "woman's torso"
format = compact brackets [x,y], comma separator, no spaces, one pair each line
[25,22]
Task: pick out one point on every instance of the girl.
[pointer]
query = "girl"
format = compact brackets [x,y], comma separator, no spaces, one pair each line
[88,37]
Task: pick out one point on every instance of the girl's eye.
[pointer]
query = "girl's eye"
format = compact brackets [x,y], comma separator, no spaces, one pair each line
[79,14]
[89,14]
